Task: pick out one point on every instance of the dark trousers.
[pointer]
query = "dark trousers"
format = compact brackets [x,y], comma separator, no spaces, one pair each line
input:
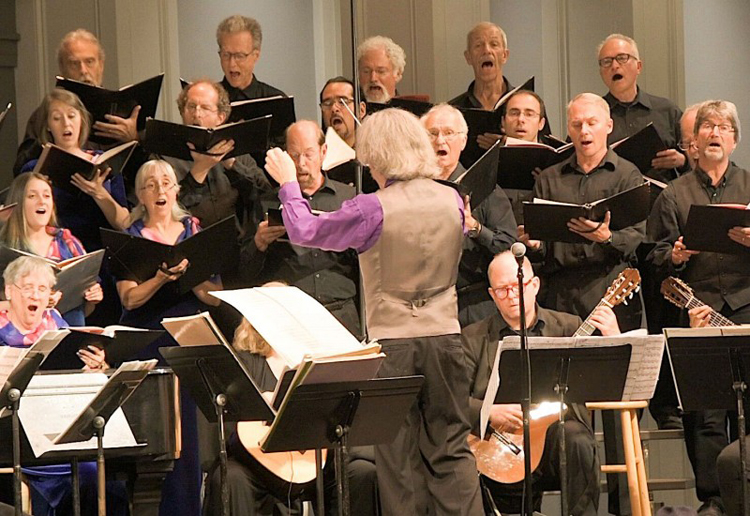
[583,473]
[428,468]
[705,437]
[730,477]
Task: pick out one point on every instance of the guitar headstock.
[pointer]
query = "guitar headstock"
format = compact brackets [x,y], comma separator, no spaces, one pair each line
[676,291]
[627,283]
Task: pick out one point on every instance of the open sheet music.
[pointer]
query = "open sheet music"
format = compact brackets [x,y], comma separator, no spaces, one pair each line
[643,372]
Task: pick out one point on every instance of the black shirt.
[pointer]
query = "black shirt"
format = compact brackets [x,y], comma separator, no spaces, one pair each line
[468,100]
[629,118]
[325,275]
[717,279]
[578,274]
[498,233]
[255,90]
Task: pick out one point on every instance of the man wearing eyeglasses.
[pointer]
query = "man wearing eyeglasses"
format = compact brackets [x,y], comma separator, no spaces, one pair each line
[329,277]
[480,342]
[687,131]
[337,108]
[632,109]
[491,225]
[239,38]
[722,281]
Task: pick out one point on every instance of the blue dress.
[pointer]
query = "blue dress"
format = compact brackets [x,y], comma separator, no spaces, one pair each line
[181,490]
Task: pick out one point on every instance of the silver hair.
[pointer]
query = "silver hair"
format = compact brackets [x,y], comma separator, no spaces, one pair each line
[592,98]
[623,37]
[395,53]
[395,144]
[486,25]
[62,48]
[239,23]
[26,265]
[447,108]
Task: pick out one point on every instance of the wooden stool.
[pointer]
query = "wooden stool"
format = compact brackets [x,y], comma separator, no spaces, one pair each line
[634,466]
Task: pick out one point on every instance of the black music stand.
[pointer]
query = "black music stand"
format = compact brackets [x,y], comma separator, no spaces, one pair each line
[568,375]
[92,421]
[223,390]
[11,398]
[340,415]
[721,386]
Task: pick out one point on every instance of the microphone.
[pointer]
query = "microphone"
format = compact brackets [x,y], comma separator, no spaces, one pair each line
[519,251]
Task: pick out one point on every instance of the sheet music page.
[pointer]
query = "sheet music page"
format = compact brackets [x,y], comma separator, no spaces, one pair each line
[645,358]
[60,398]
[9,358]
[293,323]
[489,395]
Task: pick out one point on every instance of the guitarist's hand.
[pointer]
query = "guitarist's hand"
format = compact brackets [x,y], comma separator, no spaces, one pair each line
[605,320]
[507,417]
[680,252]
[740,235]
[700,316]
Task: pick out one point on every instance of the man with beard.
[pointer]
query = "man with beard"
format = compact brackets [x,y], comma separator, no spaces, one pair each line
[722,281]
[381,68]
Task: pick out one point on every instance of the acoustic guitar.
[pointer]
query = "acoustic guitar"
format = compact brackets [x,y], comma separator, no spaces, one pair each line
[500,456]
[296,468]
[680,294]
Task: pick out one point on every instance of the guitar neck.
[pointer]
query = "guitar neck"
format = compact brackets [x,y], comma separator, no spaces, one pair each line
[586,329]
[715,319]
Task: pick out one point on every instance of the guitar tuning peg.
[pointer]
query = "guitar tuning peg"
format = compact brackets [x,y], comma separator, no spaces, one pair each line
[625,301]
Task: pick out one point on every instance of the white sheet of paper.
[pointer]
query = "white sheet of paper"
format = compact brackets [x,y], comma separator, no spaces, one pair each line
[489,396]
[645,358]
[293,323]
[60,399]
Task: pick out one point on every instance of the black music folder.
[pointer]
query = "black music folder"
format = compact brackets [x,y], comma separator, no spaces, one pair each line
[479,181]
[548,220]
[707,227]
[120,343]
[169,139]
[137,259]
[481,121]
[416,107]
[100,101]
[640,148]
[518,160]
[345,173]
[73,276]
[60,165]
[280,108]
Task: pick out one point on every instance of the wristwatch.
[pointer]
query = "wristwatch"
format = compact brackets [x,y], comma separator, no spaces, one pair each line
[474,232]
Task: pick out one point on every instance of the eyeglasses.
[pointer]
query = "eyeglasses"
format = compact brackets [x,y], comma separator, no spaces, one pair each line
[29,290]
[328,103]
[309,155]
[239,57]
[503,292]
[606,62]
[447,134]
[527,113]
[686,145]
[723,128]
[154,186]
[193,108]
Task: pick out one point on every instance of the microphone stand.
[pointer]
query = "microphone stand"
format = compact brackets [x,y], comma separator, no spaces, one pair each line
[526,402]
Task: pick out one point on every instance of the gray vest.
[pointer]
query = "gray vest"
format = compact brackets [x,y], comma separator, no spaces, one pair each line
[409,275]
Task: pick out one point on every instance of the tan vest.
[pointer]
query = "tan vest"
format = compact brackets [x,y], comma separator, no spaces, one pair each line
[409,275]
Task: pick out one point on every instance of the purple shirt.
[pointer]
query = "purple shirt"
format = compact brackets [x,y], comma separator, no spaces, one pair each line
[357,224]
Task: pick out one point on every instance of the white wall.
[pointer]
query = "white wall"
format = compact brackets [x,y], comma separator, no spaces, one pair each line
[287,56]
[716,61]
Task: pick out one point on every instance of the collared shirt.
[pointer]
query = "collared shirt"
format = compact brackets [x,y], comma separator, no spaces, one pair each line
[480,341]
[326,275]
[578,274]
[255,90]
[716,278]
[629,118]
[468,100]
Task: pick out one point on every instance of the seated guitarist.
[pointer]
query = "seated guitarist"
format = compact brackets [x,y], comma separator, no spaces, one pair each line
[256,491]
[480,342]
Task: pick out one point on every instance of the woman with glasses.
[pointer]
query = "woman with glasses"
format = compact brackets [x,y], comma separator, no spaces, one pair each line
[28,287]
[32,227]
[159,217]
